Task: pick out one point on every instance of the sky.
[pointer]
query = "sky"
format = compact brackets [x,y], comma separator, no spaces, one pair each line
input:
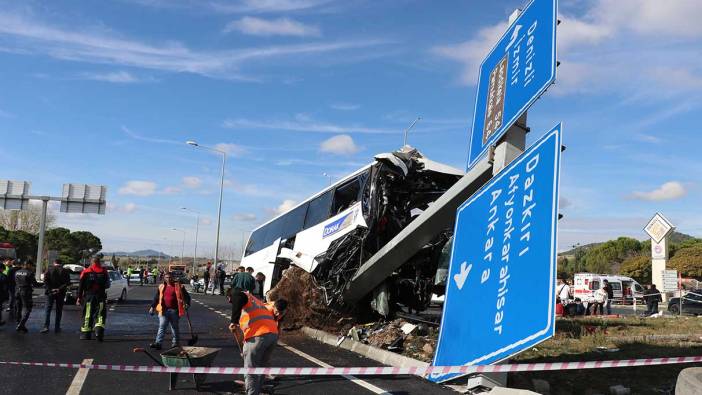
[298,92]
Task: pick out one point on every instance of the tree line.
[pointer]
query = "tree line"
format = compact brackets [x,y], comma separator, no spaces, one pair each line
[72,247]
[632,258]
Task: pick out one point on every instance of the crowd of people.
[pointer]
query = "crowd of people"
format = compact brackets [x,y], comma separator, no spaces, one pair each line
[601,302]
[254,321]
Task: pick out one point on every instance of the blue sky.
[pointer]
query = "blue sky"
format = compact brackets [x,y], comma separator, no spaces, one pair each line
[107,93]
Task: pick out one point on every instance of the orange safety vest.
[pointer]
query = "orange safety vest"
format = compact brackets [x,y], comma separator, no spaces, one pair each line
[179,299]
[256,318]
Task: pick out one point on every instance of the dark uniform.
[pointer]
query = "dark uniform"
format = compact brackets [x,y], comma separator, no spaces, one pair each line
[24,283]
[4,293]
[91,293]
[56,281]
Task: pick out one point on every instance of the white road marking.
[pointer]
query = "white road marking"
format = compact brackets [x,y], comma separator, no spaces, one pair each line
[353,379]
[77,383]
[370,387]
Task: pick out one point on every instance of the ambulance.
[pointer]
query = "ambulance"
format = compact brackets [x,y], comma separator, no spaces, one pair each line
[625,289]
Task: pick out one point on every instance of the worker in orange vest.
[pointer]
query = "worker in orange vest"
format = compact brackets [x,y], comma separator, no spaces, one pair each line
[259,323]
[170,301]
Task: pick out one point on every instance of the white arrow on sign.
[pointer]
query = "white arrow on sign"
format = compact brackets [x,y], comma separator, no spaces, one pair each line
[460,278]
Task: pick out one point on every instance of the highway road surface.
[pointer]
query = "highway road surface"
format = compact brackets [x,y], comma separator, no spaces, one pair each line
[129,326]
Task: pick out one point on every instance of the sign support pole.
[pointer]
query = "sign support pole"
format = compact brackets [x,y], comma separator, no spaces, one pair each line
[42,231]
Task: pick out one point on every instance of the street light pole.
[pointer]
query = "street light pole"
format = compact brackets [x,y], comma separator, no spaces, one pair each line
[221,193]
[404,141]
[182,251]
[197,231]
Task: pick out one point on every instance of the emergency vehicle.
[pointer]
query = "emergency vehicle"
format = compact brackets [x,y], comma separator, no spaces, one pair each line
[7,250]
[625,289]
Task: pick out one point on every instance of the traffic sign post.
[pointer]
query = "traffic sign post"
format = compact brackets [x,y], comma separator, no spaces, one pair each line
[514,74]
[500,296]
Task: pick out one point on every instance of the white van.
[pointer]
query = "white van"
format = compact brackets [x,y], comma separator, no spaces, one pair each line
[625,289]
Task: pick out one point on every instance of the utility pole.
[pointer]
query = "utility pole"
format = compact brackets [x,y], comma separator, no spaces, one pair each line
[404,140]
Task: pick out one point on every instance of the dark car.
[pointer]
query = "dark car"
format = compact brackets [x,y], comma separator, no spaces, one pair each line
[691,303]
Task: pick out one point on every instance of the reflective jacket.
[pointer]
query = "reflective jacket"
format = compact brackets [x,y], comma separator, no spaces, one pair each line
[182,298]
[94,281]
[256,318]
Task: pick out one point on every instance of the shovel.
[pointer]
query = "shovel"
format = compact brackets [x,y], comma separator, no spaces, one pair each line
[193,337]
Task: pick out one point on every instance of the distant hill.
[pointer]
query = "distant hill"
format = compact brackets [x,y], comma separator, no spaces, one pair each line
[675,238]
[140,253]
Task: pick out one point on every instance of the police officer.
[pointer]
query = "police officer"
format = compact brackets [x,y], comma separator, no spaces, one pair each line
[25,281]
[56,282]
[92,294]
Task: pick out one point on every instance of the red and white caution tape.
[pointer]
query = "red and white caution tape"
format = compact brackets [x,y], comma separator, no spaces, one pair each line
[374,371]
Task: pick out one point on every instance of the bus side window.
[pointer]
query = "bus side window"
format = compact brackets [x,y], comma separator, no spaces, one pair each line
[255,241]
[318,210]
[294,222]
[346,195]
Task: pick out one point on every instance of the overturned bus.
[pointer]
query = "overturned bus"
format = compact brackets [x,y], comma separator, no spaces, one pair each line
[334,232]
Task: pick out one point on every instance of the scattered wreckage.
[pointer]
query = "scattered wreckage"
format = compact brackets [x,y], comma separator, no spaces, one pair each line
[378,239]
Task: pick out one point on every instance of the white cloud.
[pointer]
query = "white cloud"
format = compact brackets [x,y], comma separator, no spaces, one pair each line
[678,18]
[647,138]
[206,221]
[668,191]
[192,182]
[231,149]
[245,217]
[303,123]
[236,7]
[98,45]
[138,188]
[171,190]
[345,106]
[472,52]
[273,27]
[119,77]
[286,206]
[342,144]
[573,32]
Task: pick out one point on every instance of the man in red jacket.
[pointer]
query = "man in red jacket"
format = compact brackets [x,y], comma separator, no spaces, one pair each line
[92,294]
[171,301]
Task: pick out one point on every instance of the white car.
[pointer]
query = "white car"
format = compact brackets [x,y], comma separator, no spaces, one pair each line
[118,287]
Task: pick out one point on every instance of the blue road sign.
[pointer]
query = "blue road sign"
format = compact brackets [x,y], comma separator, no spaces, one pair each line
[500,295]
[515,73]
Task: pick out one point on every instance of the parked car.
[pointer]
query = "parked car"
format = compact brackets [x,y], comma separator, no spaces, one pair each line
[118,287]
[691,303]
[117,291]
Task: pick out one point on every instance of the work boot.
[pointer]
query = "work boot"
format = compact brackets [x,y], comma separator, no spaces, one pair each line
[155,346]
[99,334]
[44,330]
[85,335]
[22,328]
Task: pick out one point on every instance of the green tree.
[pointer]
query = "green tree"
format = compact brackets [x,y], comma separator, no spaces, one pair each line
[688,261]
[638,268]
[607,257]
[25,243]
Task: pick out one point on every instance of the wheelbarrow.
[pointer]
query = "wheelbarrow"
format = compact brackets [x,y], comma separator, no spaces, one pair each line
[184,357]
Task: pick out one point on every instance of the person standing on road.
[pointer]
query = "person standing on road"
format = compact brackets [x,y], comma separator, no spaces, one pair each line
[610,295]
[170,301]
[259,323]
[243,281]
[56,282]
[141,275]
[129,276]
[25,281]
[11,268]
[258,286]
[221,277]
[4,291]
[206,277]
[652,297]
[92,294]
